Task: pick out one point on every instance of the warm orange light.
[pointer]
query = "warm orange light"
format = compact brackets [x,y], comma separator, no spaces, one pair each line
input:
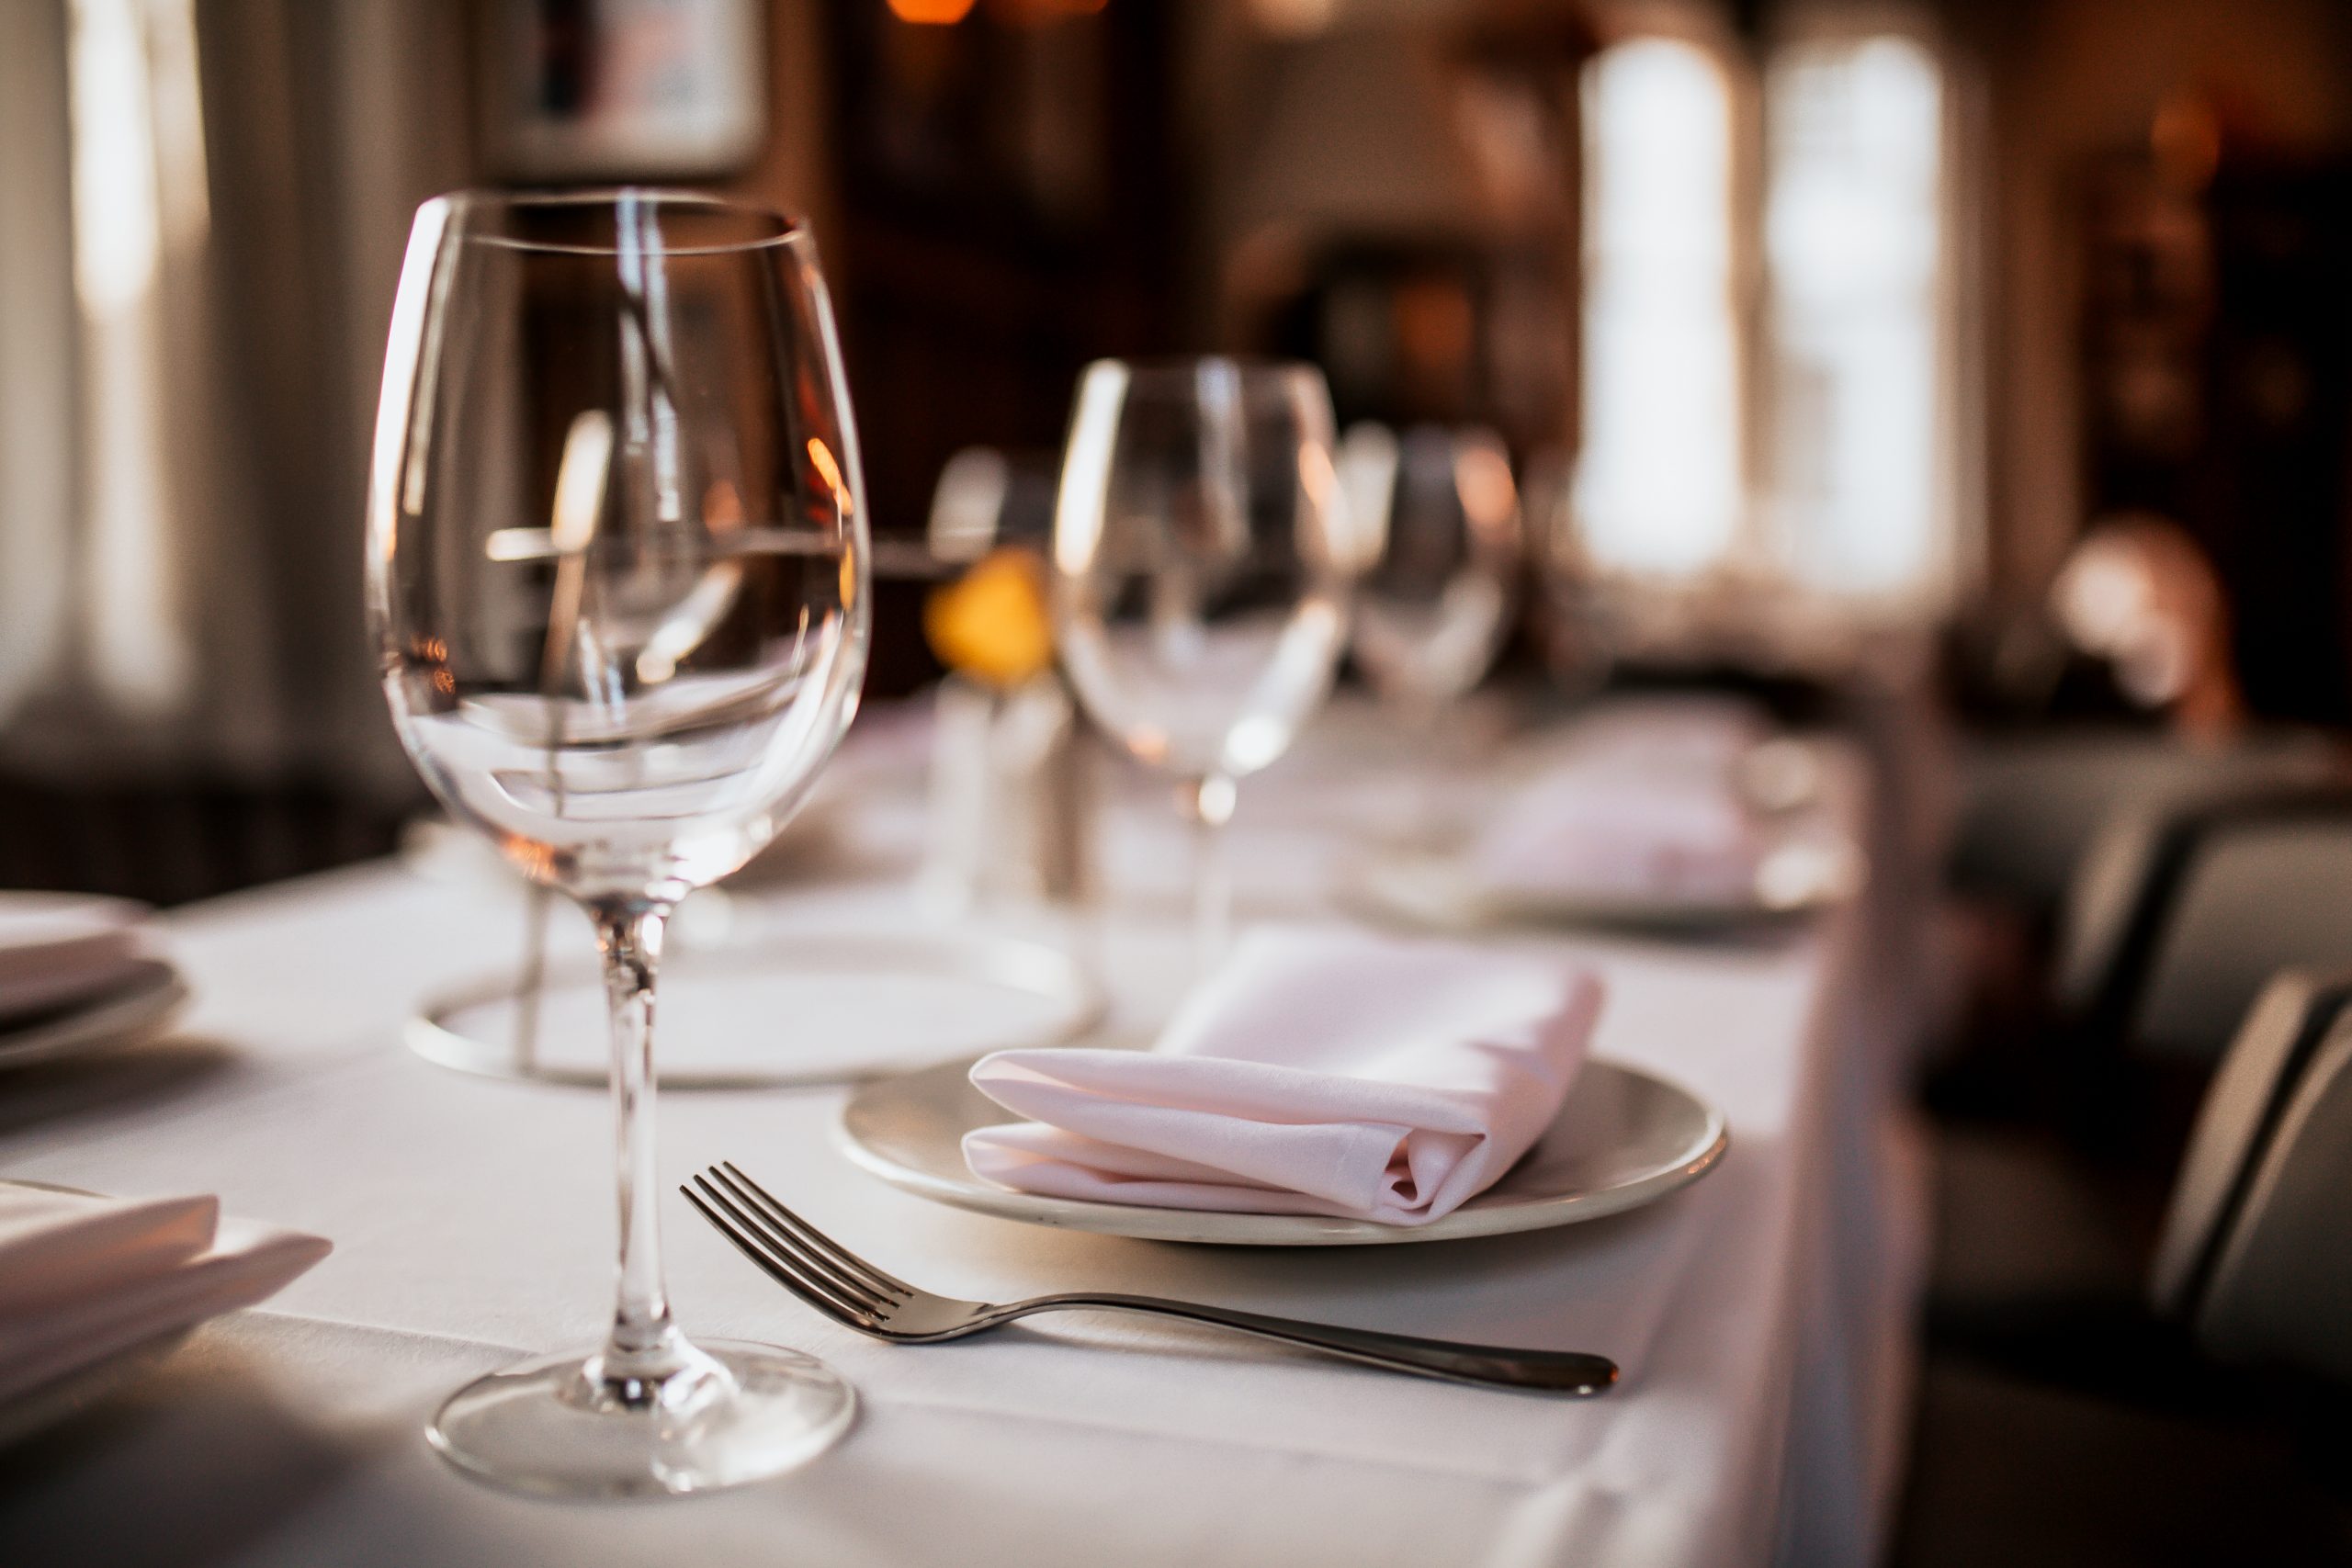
[1033,13]
[931,13]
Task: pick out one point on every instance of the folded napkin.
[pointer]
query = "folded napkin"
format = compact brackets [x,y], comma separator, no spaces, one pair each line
[1318,1072]
[84,1277]
[57,950]
[1641,803]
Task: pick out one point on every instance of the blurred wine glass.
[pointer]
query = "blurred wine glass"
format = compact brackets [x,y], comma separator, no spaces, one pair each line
[1436,606]
[618,580]
[1203,558]
[1572,626]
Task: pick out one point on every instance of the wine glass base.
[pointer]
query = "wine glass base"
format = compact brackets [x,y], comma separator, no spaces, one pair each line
[743,1413]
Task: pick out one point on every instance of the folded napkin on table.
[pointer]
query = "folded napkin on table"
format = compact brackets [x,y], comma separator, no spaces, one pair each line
[58,949]
[1318,1072]
[1641,802]
[84,1277]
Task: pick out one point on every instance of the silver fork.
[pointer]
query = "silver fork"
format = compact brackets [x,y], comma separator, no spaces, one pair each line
[848,1288]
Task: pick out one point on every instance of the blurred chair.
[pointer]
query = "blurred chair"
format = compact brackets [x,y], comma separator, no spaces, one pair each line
[2265,889]
[2140,912]
[2097,1430]
[2253,1255]
[2032,807]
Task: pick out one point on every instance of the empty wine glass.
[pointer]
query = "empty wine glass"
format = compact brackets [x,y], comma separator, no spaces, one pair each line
[1434,609]
[1202,562]
[1433,612]
[618,580]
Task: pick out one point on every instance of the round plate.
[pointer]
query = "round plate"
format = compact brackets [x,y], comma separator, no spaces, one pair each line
[813,1008]
[1623,1138]
[151,996]
[1436,890]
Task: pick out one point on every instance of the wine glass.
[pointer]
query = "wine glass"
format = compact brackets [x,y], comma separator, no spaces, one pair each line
[617,580]
[1203,556]
[1433,611]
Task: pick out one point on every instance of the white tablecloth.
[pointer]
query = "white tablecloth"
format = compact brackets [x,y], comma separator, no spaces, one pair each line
[1761,1316]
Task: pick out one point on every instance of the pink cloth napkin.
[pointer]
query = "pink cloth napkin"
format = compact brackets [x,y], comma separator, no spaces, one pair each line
[1642,802]
[84,1277]
[1318,1072]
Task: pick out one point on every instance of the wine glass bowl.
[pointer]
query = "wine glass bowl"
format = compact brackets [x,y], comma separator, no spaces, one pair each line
[617,579]
[1434,609]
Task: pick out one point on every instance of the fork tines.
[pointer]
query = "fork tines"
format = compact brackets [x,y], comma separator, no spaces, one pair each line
[795,1254]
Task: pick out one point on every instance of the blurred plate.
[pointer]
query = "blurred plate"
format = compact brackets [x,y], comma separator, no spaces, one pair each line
[801,1009]
[1437,890]
[57,948]
[1624,1138]
[150,996]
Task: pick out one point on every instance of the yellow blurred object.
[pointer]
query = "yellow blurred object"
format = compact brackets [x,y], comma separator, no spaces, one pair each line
[992,625]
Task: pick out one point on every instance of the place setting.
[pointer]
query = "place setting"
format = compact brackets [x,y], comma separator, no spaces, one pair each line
[1666,815]
[622,704]
[1174,783]
[80,975]
[1318,1086]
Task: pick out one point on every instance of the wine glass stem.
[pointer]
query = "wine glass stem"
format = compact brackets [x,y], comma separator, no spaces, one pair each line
[1207,802]
[644,1347]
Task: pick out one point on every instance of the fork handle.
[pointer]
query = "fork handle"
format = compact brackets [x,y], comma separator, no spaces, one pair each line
[1490,1366]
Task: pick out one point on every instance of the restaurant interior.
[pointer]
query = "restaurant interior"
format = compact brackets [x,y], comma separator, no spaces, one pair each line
[1185,599]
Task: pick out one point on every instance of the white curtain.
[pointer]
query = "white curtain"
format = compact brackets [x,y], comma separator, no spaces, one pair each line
[205,205]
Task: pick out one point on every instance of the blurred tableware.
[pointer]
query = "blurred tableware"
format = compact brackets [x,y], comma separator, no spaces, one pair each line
[1572,623]
[619,583]
[860,1005]
[1675,813]
[145,1000]
[60,948]
[1433,610]
[1323,1071]
[848,1288]
[1012,799]
[93,1288]
[1203,555]
[1438,891]
[1623,1138]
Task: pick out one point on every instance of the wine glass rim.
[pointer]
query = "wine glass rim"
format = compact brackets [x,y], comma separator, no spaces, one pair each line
[782,228]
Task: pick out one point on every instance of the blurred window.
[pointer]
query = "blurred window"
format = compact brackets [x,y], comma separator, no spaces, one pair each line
[1854,488]
[1860,480]
[1659,480]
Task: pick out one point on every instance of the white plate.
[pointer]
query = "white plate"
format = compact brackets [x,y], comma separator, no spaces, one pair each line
[1437,890]
[148,999]
[57,948]
[806,1008]
[1624,1138]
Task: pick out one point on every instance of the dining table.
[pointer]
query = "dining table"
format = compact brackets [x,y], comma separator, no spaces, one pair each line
[1762,1316]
